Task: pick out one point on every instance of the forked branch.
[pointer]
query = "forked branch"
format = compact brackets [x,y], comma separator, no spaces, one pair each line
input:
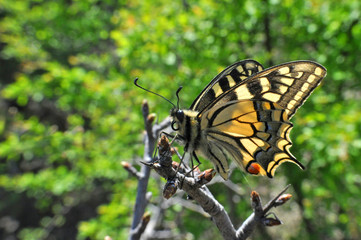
[142,198]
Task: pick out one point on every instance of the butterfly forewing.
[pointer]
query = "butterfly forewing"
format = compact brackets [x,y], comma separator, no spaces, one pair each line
[227,79]
[287,84]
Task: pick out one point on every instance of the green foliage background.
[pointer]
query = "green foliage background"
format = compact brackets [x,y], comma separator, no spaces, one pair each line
[70,113]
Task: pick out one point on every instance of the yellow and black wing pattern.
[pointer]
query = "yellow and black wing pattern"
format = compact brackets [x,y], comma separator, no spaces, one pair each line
[252,133]
[248,122]
[228,78]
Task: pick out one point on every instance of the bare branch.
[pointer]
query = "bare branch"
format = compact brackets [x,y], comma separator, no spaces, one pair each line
[138,231]
[258,215]
[141,199]
[132,170]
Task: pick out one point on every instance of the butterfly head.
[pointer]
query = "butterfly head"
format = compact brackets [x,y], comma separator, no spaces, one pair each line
[177,118]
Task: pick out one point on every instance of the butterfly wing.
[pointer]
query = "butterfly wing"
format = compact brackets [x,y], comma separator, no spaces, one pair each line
[250,122]
[248,132]
[228,78]
[288,85]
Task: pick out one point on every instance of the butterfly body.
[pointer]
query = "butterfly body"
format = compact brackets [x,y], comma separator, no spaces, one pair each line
[187,125]
[243,115]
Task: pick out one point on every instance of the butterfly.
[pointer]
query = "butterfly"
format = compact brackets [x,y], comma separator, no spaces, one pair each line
[244,113]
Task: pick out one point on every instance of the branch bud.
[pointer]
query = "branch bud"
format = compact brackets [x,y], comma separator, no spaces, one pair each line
[125,165]
[173,150]
[270,222]
[146,217]
[170,188]
[151,117]
[175,165]
[207,175]
[145,108]
[163,145]
[282,199]
[256,203]
[145,103]
[254,196]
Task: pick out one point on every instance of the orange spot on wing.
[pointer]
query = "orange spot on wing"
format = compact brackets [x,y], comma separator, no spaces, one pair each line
[254,168]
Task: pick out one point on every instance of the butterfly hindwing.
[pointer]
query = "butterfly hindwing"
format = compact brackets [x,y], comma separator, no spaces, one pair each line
[228,78]
[249,131]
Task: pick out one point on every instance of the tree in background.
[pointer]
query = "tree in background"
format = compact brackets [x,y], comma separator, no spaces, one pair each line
[70,115]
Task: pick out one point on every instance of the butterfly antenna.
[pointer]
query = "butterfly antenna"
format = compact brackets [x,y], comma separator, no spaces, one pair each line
[177,93]
[136,84]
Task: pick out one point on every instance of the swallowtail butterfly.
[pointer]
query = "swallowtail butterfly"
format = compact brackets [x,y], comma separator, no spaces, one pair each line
[244,115]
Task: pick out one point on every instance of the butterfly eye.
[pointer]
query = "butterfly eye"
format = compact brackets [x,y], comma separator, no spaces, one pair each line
[175,126]
[180,115]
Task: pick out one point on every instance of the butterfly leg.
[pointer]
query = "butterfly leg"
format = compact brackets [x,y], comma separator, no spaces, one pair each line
[198,162]
[168,135]
[192,165]
[179,166]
